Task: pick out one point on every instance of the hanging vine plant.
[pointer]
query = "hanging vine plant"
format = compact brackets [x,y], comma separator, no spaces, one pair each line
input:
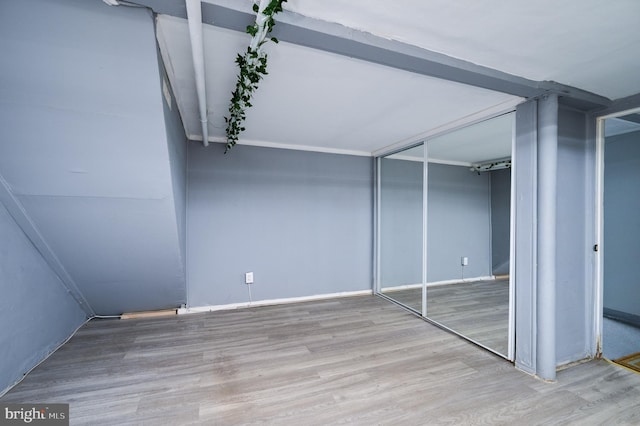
[253,67]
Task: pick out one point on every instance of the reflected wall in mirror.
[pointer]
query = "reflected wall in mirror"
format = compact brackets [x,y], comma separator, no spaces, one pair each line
[468,226]
[401,178]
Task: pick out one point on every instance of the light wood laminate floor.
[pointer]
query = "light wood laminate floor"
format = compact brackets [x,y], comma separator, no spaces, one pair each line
[478,310]
[359,360]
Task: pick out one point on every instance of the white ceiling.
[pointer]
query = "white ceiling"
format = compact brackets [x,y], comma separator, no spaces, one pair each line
[321,101]
[315,99]
[589,44]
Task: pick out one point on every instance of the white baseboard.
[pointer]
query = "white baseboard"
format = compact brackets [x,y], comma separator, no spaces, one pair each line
[269,302]
[438,283]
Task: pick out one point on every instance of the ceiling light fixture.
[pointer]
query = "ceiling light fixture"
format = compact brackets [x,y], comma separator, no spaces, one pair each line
[488,166]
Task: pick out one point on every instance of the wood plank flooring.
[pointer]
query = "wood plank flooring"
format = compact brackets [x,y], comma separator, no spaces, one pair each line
[478,310]
[359,360]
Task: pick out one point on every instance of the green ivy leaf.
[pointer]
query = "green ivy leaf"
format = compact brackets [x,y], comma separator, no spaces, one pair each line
[252,29]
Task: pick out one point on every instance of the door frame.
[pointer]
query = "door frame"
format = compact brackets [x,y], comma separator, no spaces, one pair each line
[598,311]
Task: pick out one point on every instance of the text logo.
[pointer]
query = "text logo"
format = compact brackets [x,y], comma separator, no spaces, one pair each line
[34,414]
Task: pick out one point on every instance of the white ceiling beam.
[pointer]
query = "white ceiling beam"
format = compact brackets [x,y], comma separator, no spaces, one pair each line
[335,38]
[194,17]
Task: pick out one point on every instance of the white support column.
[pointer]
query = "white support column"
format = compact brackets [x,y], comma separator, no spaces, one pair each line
[546,268]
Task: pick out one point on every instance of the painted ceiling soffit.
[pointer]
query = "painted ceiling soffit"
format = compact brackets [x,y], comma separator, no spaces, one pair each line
[619,105]
[335,38]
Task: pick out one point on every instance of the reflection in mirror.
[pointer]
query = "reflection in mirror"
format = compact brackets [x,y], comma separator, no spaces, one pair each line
[468,225]
[400,239]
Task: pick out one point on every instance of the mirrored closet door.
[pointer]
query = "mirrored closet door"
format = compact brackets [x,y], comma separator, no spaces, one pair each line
[456,208]
[400,230]
[468,224]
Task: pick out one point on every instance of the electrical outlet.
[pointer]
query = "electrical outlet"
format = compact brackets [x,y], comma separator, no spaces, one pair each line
[464,261]
[248,278]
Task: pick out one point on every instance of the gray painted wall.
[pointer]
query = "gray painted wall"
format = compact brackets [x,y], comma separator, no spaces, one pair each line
[622,223]
[36,312]
[459,223]
[84,148]
[401,190]
[572,248]
[301,221]
[500,181]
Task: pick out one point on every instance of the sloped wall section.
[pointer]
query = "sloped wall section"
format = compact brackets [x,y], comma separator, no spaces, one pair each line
[36,312]
[87,152]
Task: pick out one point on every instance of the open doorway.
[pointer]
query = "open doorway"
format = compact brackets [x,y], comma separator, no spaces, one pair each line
[619,227]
